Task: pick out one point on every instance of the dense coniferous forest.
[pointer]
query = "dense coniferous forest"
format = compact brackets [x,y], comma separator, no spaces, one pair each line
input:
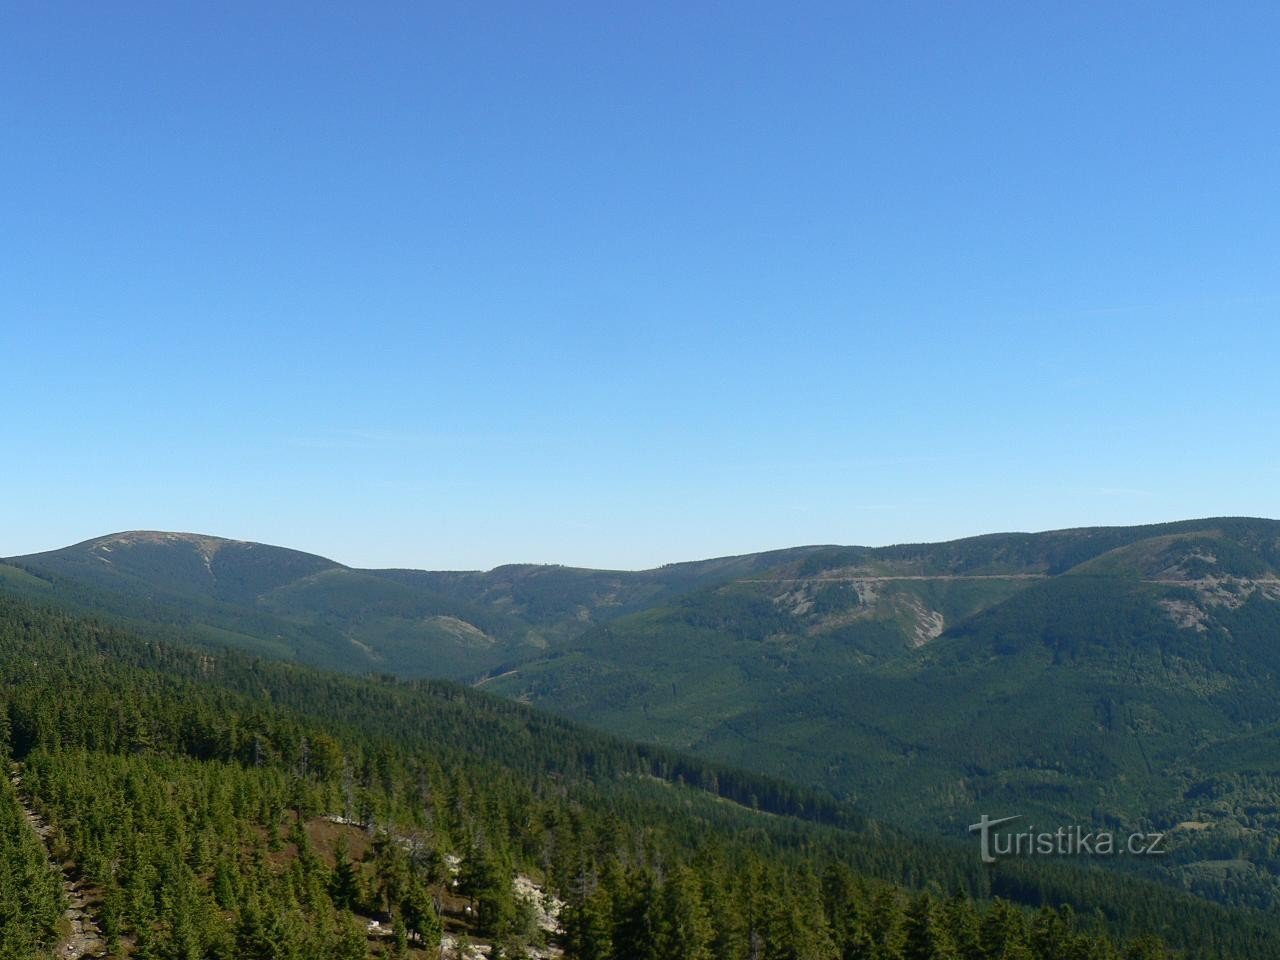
[217,805]
[31,901]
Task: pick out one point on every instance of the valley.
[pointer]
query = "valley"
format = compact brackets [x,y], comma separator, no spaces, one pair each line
[229,806]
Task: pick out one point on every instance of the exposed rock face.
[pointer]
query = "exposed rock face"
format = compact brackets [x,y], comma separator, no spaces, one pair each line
[546,906]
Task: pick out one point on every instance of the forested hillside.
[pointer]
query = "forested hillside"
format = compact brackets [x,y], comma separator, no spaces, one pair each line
[223,806]
[1107,676]
[31,902]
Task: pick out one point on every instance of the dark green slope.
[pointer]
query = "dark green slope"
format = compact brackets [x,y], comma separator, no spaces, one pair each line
[191,791]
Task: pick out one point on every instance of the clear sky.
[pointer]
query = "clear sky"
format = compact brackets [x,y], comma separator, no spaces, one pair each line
[452,285]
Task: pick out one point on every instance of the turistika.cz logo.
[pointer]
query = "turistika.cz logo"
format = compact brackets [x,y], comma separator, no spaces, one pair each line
[1073,841]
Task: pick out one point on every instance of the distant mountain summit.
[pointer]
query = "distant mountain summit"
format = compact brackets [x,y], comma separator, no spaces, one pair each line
[181,563]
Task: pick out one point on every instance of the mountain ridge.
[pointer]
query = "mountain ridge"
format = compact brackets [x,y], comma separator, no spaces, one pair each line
[470,624]
[1096,674]
[1172,526]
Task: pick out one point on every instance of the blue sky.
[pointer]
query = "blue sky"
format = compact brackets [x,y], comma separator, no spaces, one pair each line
[452,285]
